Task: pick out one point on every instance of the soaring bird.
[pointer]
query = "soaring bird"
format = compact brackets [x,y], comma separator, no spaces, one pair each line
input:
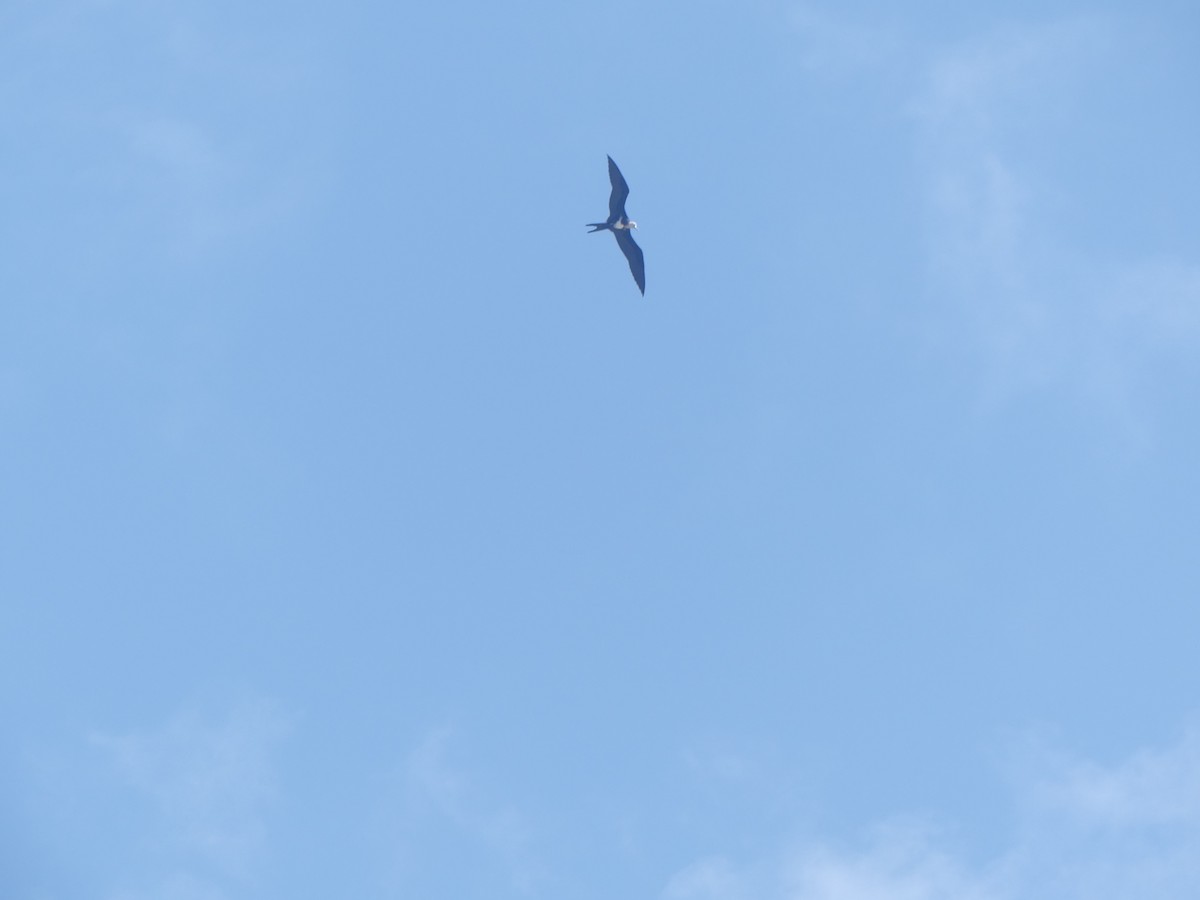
[622,226]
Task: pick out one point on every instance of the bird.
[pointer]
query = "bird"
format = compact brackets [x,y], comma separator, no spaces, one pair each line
[622,226]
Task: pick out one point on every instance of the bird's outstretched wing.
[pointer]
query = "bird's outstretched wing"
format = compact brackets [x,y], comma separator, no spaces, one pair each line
[633,253]
[620,190]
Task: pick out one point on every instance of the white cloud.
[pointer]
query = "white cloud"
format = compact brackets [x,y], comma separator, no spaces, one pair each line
[1086,831]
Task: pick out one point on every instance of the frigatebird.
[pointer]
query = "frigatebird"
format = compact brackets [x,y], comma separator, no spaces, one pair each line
[622,226]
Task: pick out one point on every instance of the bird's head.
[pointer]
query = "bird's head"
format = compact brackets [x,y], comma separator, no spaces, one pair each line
[632,224]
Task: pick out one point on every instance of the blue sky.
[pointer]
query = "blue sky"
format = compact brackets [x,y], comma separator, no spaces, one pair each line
[365,533]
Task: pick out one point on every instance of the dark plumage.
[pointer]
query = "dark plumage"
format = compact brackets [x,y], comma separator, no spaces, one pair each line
[621,225]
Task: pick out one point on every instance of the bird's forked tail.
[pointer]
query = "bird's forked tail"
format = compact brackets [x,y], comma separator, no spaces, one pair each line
[597,226]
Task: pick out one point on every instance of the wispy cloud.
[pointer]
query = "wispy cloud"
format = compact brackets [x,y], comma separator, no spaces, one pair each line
[434,787]
[209,783]
[1011,283]
[181,167]
[832,43]
[1015,287]
[980,234]
[898,861]
[177,886]
[1086,830]
[714,878]
[189,136]
[1154,787]
[979,82]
